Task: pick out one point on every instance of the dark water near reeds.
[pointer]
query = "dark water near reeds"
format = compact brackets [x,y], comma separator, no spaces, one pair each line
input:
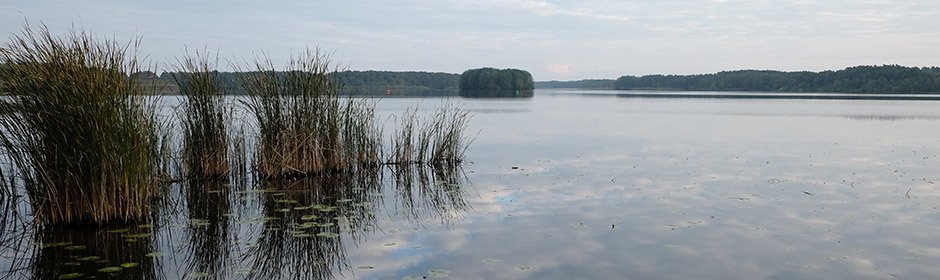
[568,185]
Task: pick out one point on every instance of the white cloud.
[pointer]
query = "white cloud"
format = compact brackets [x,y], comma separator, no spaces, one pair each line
[559,69]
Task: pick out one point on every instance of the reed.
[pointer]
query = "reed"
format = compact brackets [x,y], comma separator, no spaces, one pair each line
[78,133]
[305,128]
[204,116]
[448,129]
[440,140]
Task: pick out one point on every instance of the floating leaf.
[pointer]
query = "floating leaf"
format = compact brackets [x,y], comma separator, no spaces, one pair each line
[138,235]
[303,235]
[129,264]
[75,247]
[123,230]
[110,269]
[365,267]
[155,254]
[345,200]
[523,267]
[283,210]
[72,263]
[301,208]
[288,201]
[327,209]
[88,258]
[146,226]
[58,244]
[438,273]
[308,217]
[327,224]
[328,235]
[70,276]
[390,244]
[492,261]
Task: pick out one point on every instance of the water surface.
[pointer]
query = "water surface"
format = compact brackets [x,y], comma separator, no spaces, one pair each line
[569,185]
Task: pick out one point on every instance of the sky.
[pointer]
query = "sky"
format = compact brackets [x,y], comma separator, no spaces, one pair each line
[554,40]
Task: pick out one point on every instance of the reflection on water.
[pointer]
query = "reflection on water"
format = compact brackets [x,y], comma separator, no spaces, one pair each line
[497,93]
[277,229]
[571,187]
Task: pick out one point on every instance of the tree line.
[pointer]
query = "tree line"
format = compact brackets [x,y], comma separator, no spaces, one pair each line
[349,80]
[858,79]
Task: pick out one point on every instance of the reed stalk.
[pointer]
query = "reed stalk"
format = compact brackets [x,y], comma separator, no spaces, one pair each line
[77,131]
[439,140]
[205,118]
[304,127]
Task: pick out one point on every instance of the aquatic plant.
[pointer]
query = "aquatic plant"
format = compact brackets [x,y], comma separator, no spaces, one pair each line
[304,127]
[204,116]
[77,130]
[440,140]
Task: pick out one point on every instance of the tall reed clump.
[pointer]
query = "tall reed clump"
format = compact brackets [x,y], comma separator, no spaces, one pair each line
[441,139]
[205,118]
[77,131]
[305,127]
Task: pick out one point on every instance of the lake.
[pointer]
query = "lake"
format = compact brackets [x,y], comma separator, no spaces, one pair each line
[568,184]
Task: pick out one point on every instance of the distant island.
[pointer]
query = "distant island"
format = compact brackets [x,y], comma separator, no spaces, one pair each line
[858,79]
[492,82]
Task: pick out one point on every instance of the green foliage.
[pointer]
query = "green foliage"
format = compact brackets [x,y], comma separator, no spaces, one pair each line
[205,117]
[858,79]
[495,79]
[305,127]
[77,130]
[397,79]
[350,81]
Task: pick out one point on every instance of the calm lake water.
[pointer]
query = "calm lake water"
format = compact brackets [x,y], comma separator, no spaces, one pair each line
[568,185]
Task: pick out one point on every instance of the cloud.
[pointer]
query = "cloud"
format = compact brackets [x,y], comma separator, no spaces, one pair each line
[560,69]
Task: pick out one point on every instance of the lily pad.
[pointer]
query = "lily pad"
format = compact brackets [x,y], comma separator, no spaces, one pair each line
[438,273]
[288,201]
[123,230]
[57,244]
[327,224]
[70,275]
[88,258]
[129,264]
[145,226]
[308,217]
[75,247]
[110,269]
[328,235]
[155,254]
[366,267]
[283,210]
[138,235]
[492,261]
[523,267]
[390,244]
[72,263]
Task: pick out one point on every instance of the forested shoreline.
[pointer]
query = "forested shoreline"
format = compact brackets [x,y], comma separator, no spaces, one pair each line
[858,79]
